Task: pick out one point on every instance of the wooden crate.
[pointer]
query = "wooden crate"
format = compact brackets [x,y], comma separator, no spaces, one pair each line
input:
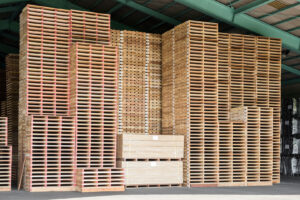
[50,154]
[139,82]
[94,103]
[100,180]
[150,146]
[194,90]
[5,168]
[152,173]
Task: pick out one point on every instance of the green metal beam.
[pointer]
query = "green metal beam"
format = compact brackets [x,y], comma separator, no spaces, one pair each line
[251,6]
[2,2]
[8,49]
[115,8]
[168,5]
[226,14]
[96,4]
[290,69]
[175,16]
[280,10]
[291,58]
[65,4]
[149,11]
[133,11]
[9,9]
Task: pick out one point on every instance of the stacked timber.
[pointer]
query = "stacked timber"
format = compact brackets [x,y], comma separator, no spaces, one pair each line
[94,103]
[151,160]
[5,157]
[139,82]
[12,99]
[46,124]
[254,65]
[191,77]
[223,93]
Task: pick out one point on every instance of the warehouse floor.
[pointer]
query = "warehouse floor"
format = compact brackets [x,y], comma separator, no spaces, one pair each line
[289,188]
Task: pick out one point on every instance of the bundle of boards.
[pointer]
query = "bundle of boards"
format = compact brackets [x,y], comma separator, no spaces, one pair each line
[101,110]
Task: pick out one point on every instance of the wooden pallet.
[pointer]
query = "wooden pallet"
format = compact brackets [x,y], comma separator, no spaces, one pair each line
[100,180]
[3,107]
[5,167]
[139,82]
[94,103]
[50,153]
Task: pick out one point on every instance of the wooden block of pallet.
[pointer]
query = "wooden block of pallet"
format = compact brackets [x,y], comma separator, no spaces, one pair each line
[152,172]
[150,146]
[5,168]
[100,180]
[238,114]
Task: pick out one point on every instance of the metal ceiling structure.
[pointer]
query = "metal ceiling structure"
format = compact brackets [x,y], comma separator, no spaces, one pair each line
[271,18]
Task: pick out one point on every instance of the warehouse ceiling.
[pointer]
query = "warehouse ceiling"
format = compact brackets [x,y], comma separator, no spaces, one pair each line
[273,18]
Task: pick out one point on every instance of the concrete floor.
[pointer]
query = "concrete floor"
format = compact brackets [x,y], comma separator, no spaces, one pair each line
[289,189]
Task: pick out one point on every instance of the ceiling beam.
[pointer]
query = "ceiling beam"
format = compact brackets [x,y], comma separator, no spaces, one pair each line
[149,11]
[65,4]
[166,6]
[2,2]
[251,6]
[290,69]
[9,9]
[226,14]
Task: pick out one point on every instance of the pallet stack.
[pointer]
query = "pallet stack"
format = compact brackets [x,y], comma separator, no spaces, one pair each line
[216,74]
[55,125]
[139,82]
[12,99]
[5,157]
[194,90]
[94,103]
[254,66]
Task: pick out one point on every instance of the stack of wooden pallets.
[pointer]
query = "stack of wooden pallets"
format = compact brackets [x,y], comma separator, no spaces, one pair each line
[12,99]
[216,74]
[5,157]
[94,103]
[57,124]
[254,65]
[194,90]
[139,82]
